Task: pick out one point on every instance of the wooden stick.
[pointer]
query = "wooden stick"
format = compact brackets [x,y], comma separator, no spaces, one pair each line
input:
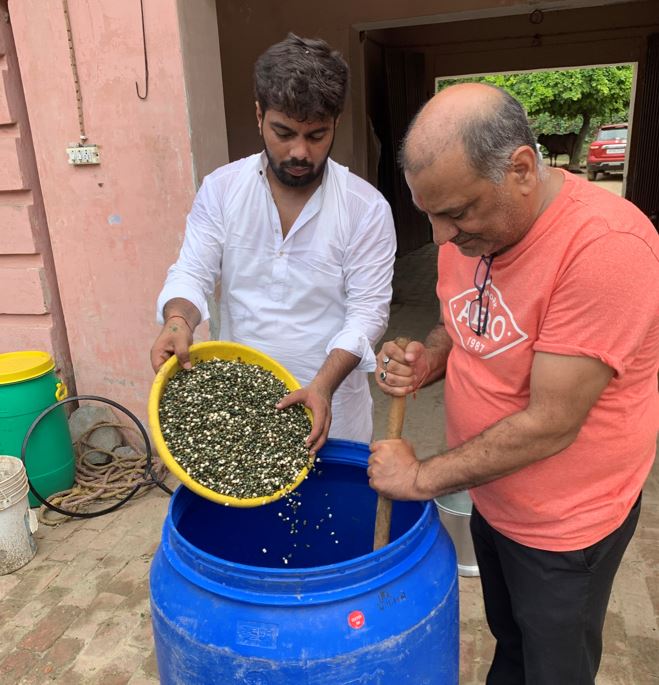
[394,429]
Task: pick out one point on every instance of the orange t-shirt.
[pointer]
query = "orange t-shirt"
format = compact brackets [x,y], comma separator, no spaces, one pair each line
[584,281]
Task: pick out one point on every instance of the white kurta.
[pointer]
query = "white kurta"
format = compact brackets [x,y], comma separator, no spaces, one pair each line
[326,285]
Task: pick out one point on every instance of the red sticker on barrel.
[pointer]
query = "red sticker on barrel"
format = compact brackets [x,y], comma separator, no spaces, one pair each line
[356,619]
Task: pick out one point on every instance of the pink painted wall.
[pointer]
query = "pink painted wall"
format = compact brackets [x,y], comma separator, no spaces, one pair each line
[115,227]
[30,309]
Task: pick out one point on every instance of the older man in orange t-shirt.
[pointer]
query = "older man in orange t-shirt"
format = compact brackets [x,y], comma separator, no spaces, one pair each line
[549,341]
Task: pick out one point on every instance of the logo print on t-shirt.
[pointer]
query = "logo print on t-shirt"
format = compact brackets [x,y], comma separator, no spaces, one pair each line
[502,331]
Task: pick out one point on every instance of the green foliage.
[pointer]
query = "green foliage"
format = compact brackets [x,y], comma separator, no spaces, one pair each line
[559,101]
[546,123]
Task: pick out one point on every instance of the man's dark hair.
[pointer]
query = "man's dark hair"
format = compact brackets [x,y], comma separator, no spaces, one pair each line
[303,78]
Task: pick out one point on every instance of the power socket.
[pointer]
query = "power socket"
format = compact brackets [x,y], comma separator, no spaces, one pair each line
[83,154]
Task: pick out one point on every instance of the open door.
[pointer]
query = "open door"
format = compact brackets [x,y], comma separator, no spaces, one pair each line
[642,183]
[403,94]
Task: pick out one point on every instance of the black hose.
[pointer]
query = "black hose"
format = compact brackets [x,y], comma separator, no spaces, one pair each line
[148,471]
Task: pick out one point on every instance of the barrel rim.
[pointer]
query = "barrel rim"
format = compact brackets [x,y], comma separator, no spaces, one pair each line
[19,465]
[274,585]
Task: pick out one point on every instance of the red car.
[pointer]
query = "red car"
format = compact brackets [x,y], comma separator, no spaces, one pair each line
[607,152]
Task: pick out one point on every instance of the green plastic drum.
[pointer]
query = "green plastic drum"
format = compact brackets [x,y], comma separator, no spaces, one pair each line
[28,385]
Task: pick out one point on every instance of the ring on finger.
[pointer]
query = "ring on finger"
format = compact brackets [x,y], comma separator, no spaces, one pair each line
[383,376]
[385,361]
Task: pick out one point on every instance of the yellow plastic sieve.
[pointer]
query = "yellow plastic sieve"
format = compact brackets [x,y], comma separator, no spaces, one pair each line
[227,351]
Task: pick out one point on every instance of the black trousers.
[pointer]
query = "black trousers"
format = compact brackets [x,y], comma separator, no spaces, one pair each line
[547,609]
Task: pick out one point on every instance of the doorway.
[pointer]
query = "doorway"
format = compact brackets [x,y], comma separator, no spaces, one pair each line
[401,64]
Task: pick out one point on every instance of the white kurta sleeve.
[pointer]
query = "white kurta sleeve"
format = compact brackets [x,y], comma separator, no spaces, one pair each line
[368,271]
[198,267]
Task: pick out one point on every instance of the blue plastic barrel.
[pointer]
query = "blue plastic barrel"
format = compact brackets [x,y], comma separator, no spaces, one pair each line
[291,593]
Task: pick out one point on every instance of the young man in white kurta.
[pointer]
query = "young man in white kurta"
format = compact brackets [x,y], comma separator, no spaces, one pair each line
[303,250]
[326,285]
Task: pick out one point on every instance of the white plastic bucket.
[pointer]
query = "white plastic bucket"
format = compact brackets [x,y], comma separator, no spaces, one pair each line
[455,514]
[17,522]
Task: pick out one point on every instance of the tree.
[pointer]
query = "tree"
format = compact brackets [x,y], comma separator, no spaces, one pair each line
[579,96]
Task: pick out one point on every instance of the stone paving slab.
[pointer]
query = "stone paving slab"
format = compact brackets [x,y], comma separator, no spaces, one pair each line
[78,613]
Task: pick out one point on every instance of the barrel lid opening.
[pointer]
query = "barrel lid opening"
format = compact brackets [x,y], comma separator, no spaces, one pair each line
[24,365]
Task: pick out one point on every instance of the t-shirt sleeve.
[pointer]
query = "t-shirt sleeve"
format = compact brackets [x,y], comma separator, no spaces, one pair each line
[603,302]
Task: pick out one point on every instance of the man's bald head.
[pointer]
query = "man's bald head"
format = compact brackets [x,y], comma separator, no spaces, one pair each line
[487,122]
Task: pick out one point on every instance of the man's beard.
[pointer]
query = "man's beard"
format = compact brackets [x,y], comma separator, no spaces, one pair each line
[279,170]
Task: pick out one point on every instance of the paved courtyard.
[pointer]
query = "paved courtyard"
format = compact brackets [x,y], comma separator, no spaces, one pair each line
[79,612]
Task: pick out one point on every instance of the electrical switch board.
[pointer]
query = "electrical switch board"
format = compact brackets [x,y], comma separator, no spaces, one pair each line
[83,154]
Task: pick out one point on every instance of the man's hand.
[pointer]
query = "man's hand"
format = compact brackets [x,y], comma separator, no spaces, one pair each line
[319,401]
[393,470]
[404,371]
[175,338]
[317,396]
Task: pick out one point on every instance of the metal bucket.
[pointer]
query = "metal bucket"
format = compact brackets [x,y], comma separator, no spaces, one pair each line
[455,514]
[17,522]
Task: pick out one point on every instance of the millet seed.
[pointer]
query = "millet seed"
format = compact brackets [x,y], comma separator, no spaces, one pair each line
[220,424]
